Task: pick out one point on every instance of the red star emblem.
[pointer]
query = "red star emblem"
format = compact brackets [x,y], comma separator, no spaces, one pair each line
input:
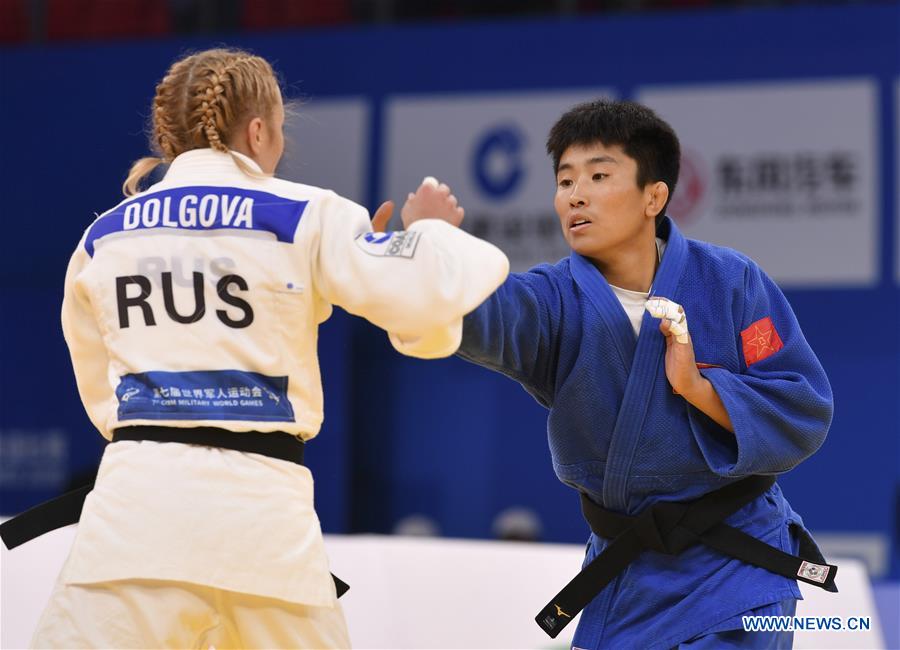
[760,341]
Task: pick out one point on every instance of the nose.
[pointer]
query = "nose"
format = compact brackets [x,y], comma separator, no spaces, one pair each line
[576,198]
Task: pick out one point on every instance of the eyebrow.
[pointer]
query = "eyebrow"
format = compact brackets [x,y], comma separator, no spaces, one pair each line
[592,161]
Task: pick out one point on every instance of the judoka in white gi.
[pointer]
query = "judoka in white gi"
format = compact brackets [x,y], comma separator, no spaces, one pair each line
[196,303]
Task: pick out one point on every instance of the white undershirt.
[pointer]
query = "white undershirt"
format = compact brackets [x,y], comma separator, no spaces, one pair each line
[633,301]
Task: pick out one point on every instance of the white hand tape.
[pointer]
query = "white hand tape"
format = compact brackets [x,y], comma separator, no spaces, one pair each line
[672,312]
[430,180]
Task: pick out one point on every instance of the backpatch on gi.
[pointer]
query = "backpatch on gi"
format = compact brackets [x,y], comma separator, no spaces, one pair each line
[204,395]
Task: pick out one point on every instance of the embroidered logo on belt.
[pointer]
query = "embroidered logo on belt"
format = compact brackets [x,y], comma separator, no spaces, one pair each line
[560,612]
[814,572]
[760,341]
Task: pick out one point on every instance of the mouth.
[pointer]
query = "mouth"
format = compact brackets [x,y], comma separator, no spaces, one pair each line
[578,223]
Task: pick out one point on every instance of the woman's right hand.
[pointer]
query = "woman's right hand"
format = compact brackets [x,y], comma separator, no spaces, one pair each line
[430,202]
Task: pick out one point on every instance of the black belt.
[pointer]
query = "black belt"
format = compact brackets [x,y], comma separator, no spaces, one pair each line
[672,527]
[274,444]
[66,509]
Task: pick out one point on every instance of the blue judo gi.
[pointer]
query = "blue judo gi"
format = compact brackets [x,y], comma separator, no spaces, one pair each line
[619,433]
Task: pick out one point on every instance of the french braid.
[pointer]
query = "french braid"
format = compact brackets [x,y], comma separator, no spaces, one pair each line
[200,102]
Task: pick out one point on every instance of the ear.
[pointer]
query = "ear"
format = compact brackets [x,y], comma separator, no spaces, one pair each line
[656,195]
[256,135]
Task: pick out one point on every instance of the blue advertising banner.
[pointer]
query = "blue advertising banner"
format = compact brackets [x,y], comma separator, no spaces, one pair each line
[789,121]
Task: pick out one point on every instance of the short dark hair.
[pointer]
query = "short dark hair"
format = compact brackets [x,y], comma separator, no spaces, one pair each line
[641,133]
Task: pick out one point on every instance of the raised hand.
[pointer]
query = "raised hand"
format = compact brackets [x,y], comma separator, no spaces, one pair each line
[431,201]
[672,312]
[681,366]
[382,216]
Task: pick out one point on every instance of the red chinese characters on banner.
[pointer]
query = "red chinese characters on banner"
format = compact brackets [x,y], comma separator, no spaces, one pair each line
[760,341]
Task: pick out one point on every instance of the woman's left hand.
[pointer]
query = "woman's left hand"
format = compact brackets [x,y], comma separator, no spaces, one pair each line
[681,366]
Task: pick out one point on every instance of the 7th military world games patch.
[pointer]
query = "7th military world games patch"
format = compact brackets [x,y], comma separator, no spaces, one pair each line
[389,244]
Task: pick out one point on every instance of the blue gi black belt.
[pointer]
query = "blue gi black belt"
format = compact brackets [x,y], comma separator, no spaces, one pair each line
[672,527]
[66,509]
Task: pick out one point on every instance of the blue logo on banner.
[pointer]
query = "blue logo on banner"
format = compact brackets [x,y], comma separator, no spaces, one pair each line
[204,395]
[202,208]
[496,161]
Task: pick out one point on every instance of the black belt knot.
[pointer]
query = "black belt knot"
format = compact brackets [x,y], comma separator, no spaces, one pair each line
[670,527]
[655,525]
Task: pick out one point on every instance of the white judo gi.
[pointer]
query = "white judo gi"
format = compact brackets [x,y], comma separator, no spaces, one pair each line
[197,303]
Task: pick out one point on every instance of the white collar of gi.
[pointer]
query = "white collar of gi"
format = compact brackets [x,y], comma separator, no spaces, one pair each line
[206,158]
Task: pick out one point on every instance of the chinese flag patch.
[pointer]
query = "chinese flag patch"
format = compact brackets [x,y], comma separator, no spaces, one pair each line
[760,341]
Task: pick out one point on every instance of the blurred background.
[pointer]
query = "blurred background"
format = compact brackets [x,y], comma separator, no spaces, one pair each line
[788,116]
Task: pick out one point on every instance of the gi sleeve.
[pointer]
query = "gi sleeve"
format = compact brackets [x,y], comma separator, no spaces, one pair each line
[513,332]
[416,284]
[780,403]
[90,359]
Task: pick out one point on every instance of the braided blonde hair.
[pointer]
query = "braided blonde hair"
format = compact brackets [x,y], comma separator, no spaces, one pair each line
[201,102]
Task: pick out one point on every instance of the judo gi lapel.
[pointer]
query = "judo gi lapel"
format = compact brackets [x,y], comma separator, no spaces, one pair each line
[608,307]
[643,365]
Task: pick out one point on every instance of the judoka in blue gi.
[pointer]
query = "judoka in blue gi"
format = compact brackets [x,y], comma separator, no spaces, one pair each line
[636,417]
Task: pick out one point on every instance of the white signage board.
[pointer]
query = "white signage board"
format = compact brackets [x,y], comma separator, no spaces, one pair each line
[327,145]
[785,172]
